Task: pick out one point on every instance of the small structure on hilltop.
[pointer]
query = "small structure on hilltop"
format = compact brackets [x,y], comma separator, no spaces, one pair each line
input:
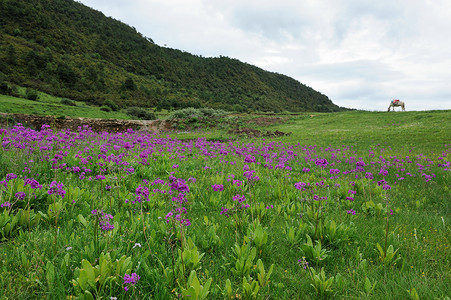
[396,102]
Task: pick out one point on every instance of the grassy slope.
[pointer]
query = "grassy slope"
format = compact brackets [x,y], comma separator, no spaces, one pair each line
[50,105]
[417,131]
[424,129]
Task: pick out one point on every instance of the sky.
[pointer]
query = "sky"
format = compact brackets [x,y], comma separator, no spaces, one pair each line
[360,53]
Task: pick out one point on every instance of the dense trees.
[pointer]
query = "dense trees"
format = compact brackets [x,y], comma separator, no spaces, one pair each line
[67,49]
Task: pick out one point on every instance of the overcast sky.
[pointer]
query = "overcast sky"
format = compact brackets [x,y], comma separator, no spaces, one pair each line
[360,53]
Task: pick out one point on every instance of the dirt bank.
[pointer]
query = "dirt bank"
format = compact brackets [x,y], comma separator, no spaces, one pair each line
[109,125]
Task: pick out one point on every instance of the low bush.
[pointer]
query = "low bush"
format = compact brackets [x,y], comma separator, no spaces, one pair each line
[111,104]
[140,113]
[105,108]
[68,102]
[196,113]
[32,94]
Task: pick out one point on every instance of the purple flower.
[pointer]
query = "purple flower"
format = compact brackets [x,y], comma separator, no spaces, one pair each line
[104,220]
[20,195]
[386,187]
[239,198]
[249,159]
[368,175]
[381,182]
[250,175]
[179,185]
[6,204]
[238,183]
[217,187]
[168,216]
[130,280]
[34,184]
[334,171]
[100,177]
[351,212]
[224,211]
[383,172]
[56,188]
[300,185]
[303,263]
[10,176]
[305,170]
[322,163]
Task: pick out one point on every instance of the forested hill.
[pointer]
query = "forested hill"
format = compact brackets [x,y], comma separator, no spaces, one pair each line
[67,49]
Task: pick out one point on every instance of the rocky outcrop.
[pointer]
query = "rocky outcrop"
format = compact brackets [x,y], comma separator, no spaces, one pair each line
[98,125]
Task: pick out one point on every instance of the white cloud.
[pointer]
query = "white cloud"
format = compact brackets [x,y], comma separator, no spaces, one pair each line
[360,53]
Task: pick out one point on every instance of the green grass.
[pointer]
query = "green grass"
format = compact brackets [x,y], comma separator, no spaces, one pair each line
[405,144]
[50,105]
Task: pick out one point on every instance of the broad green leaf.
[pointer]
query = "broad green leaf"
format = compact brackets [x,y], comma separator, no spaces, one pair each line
[367,285]
[83,221]
[50,273]
[89,270]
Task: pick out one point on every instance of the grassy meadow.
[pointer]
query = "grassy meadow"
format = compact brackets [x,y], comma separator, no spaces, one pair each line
[50,105]
[351,205]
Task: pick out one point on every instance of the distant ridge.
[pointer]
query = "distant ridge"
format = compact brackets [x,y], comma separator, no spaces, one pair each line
[67,49]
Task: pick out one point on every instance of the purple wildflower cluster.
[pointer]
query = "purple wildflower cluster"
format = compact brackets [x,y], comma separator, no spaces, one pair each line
[131,279]
[217,187]
[104,220]
[20,195]
[176,215]
[56,188]
[239,199]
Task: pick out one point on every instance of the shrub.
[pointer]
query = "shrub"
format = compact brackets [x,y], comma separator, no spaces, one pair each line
[68,102]
[32,94]
[140,113]
[111,104]
[196,113]
[5,89]
[105,108]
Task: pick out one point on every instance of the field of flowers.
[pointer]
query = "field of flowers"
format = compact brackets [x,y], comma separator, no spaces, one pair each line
[135,215]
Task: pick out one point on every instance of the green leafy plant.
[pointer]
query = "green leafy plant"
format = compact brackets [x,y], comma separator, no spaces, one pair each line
[244,258]
[389,256]
[258,235]
[369,287]
[250,290]
[373,209]
[194,289]
[262,275]
[314,253]
[211,239]
[334,234]
[190,258]
[91,280]
[228,292]
[11,223]
[293,236]
[413,294]
[321,284]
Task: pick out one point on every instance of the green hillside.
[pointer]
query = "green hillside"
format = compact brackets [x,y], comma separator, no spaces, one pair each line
[66,49]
